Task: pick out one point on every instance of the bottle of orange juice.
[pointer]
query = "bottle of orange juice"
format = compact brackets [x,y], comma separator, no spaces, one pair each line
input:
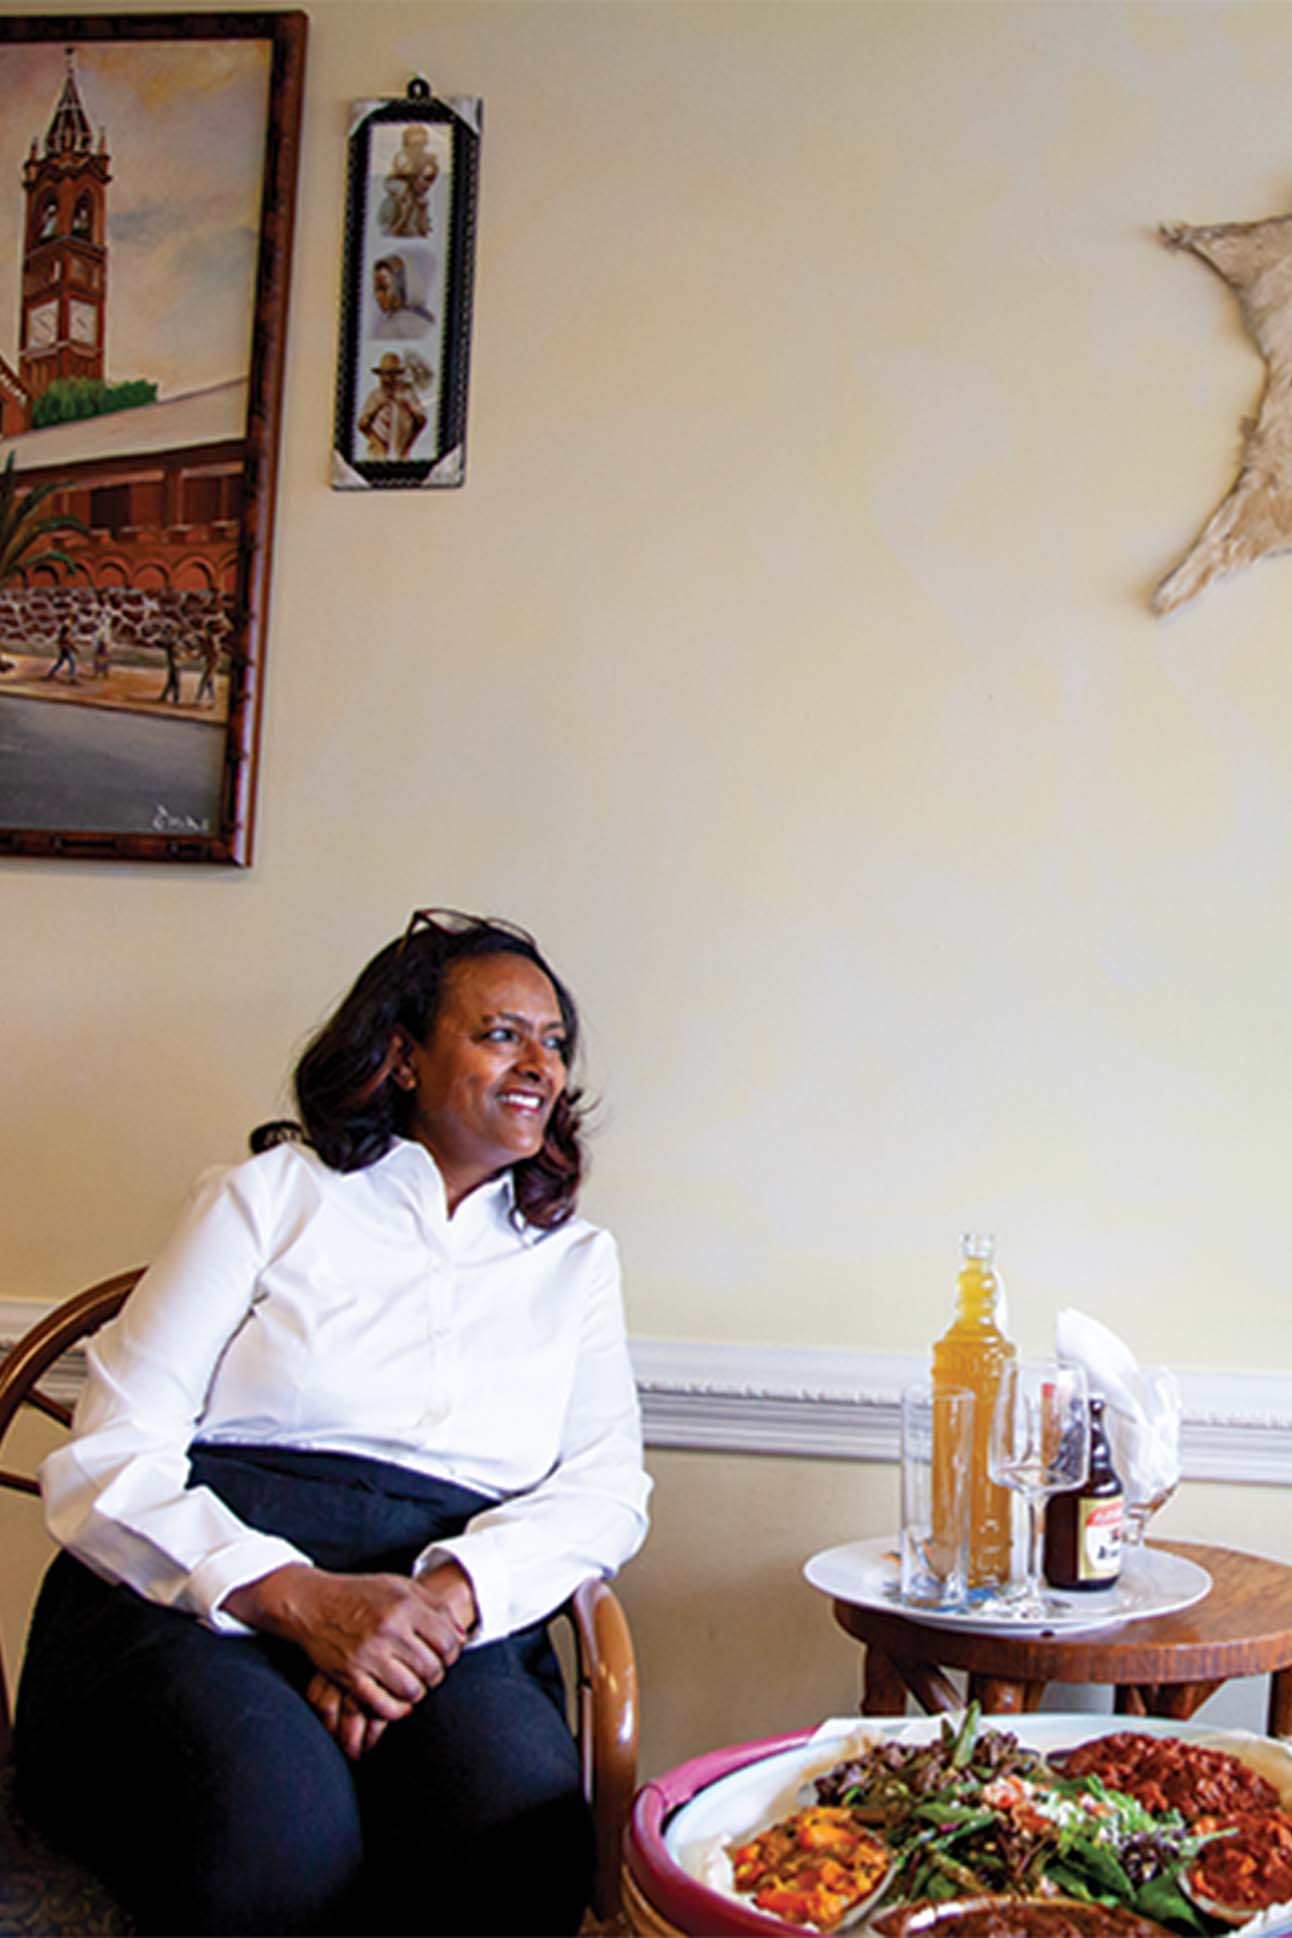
[971,1353]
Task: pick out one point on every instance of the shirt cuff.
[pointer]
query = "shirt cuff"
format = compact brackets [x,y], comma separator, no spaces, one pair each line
[488,1584]
[230,1568]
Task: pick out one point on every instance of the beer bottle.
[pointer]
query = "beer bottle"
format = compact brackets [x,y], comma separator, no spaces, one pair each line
[1083,1527]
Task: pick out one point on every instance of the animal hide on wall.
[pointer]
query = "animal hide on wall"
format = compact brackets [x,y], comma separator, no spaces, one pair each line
[1255,520]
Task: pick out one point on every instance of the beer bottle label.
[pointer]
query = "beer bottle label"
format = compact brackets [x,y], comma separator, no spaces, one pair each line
[1099,1538]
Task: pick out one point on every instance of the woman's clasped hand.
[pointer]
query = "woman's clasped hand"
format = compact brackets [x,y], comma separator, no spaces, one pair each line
[378,1642]
[363,1426]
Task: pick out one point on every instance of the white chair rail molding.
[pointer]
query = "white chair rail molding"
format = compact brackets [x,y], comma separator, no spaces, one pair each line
[724,1398]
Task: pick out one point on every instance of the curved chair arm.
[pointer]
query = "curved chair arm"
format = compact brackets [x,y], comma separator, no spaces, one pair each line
[606,1696]
[25,1363]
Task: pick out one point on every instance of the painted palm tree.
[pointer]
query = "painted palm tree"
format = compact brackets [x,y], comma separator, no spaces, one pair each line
[22,528]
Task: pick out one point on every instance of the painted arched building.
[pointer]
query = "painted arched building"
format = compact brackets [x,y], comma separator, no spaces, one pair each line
[159,489]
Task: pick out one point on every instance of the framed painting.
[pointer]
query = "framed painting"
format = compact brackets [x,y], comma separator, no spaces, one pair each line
[147,186]
[413,179]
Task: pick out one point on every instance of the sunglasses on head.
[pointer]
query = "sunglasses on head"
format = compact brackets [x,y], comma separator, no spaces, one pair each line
[452,921]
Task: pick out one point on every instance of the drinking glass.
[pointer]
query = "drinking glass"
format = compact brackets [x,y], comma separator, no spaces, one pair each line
[1039,1445]
[937,1455]
[1146,1448]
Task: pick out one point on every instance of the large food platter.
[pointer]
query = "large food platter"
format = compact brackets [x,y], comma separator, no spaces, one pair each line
[683,1824]
[1152,1582]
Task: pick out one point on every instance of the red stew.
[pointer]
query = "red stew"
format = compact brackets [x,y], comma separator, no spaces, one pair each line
[1164,1773]
[1250,1867]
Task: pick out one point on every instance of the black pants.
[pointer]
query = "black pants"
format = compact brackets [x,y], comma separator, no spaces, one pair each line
[189,1771]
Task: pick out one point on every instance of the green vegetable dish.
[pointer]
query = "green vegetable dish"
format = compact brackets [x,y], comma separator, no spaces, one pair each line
[975,1814]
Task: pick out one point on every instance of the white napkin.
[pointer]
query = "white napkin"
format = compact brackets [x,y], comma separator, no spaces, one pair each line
[1143,1414]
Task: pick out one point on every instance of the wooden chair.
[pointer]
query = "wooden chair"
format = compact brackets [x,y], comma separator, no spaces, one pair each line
[41,1891]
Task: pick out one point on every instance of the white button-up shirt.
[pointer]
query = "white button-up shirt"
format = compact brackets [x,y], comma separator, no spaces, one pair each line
[297,1306]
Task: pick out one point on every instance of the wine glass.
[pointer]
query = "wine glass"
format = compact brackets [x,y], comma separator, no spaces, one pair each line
[1039,1445]
[1145,1446]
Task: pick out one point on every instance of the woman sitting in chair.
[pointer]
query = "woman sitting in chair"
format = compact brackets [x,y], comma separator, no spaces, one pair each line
[363,1426]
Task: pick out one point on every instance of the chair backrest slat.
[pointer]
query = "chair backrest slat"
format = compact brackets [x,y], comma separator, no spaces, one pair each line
[30,1357]
[52,1409]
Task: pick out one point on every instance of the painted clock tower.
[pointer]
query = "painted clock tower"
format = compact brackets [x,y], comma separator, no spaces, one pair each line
[65,252]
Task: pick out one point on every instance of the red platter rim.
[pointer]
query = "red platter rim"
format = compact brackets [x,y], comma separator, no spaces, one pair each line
[681,1898]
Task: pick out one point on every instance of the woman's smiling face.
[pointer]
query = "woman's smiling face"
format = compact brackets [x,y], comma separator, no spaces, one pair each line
[484,1082]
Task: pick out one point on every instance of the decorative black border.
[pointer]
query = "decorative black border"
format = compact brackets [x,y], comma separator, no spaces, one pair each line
[419,104]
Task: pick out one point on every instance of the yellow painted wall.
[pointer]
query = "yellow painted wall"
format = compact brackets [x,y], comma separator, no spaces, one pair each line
[786,664]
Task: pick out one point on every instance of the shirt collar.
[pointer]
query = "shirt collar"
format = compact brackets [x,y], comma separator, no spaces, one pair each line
[492,1203]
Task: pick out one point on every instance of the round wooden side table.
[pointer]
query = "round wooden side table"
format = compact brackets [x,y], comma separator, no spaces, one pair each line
[1164,1665]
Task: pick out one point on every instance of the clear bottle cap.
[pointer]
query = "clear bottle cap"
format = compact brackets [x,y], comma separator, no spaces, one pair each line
[978,1244]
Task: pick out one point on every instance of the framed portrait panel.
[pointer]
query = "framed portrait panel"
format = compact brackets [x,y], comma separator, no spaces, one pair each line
[147,185]
[401,405]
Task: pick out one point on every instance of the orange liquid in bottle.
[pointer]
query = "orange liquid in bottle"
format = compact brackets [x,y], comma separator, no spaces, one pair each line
[971,1353]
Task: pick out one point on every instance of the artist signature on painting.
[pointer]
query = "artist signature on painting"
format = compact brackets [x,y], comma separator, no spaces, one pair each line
[164,822]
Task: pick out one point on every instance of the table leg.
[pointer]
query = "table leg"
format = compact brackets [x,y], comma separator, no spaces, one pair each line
[1179,1700]
[934,1692]
[1000,1696]
[883,1692]
[1280,1710]
[1130,1699]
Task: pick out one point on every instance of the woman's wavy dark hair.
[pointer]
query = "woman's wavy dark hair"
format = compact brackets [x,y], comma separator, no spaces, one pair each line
[350,1109]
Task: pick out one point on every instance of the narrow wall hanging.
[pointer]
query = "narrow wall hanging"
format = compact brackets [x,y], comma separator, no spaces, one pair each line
[1255,520]
[147,184]
[401,403]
